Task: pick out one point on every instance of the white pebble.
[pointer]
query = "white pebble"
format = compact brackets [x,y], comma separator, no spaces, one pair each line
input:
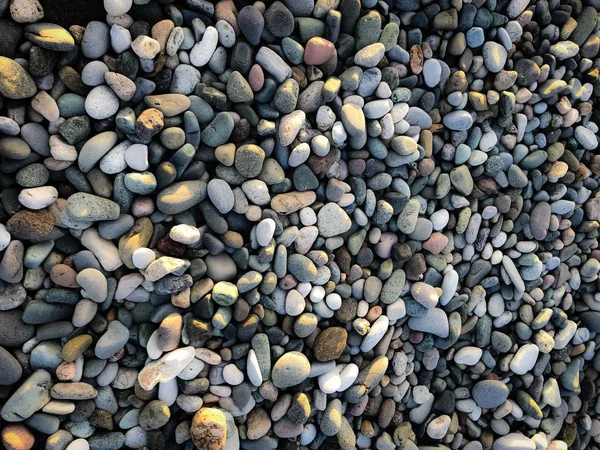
[232,375]
[334,301]
[167,391]
[294,303]
[317,294]
[152,346]
[78,444]
[117,7]
[39,197]
[185,234]
[136,157]
[253,369]
[142,257]
[265,231]
[330,382]
[348,375]
[203,50]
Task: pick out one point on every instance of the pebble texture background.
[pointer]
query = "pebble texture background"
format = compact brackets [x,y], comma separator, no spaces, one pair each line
[300,224]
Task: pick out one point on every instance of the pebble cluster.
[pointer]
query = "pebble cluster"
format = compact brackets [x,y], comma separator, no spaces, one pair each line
[300,224]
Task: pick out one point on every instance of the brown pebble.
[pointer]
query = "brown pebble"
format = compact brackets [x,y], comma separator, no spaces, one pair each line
[64,276]
[30,225]
[330,344]
[17,437]
[416,59]
[374,313]
[66,371]
[149,123]
[258,423]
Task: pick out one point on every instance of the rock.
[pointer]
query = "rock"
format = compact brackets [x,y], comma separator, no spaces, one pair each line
[38,198]
[15,82]
[290,369]
[203,50]
[524,359]
[166,368]
[11,369]
[238,89]
[90,208]
[494,56]
[434,322]
[251,23]
[50,36]
[113,340]
[30,397]
[514,441]
[17,437]
[332,220]
[93,283]
[26,11]
[209,429]
[490,393]
[318,51]
[330,344]
[181,196]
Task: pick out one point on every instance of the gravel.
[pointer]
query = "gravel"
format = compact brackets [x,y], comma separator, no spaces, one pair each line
[308,224]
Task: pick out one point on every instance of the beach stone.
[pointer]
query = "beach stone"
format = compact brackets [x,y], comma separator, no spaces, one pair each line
[490,393]
[330,344]
[494,56]
[93,283]
[318,50]
[251,23]
[290,369]
[38,198]
[209,429]
[238,89]
[94,149]
[166,368]
[13,331]
[515,441]
[332,220]
[154,415]
[425,294]
[181,196]
[434,322]
[88,207]
[30,397]
[203,50]
[50,36]
[524,359]
[96,40]
[11,369]
[15,82]
[249,160]
[113,340]
[290,126]
[17,437]
[279,20]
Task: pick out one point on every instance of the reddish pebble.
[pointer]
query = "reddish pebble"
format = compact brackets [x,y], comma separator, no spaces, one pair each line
[436,243]
[318,50]
[64,276]
[171,248]
[256,78]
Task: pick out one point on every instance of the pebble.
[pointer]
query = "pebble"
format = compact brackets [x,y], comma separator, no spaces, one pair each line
[290,369]
[340,223]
